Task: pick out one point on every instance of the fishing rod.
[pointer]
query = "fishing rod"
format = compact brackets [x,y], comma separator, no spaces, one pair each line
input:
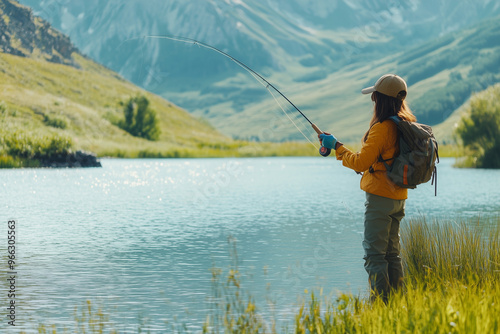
[323,150]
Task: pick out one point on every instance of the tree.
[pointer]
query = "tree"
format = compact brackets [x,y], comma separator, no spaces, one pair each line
[480,130]
[139,119]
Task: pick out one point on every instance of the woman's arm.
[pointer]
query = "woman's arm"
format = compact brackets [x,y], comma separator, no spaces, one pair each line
[369,153]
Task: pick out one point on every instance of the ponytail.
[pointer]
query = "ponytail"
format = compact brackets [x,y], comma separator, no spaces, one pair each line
[387,106]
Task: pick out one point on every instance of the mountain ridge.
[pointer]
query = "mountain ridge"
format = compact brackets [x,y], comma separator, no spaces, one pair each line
[28,36]
[43,104]
[265,30]
[290,42]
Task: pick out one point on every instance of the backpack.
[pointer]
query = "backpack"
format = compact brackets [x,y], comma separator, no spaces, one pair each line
[418,152]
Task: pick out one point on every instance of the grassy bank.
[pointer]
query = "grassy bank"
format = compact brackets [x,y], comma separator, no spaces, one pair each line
[22,149]
[452,285]
[46,99]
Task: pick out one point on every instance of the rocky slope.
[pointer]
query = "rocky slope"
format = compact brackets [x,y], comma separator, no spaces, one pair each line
[24,34]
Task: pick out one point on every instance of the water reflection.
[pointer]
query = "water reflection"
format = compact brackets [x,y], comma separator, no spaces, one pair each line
[140,236]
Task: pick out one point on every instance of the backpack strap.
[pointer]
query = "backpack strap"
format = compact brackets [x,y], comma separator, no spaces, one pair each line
[435,180]
[385,161]
[395,119]
[435,171]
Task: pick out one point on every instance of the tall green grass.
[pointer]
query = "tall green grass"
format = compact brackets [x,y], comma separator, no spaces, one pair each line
[22,149]
[452,285]
[461,252]
[88,319]
[233,309]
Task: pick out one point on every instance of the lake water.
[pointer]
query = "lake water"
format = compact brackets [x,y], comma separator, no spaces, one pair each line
[139,237]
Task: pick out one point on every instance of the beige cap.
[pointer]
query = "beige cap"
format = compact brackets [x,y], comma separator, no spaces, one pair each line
[390,85]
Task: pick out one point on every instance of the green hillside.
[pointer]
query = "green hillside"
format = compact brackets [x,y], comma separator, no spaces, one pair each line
[83,99]
[36,97]
[454,67]
[54,101]
[441,74]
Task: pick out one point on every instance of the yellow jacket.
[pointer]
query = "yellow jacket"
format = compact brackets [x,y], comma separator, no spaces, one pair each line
[382,140]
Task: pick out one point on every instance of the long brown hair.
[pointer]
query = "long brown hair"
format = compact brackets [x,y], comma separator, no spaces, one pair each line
[387,106]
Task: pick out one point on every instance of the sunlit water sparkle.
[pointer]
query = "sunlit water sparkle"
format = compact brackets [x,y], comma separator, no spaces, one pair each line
[139,237]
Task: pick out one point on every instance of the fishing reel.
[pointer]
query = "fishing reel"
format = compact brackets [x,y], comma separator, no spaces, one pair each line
[325,151]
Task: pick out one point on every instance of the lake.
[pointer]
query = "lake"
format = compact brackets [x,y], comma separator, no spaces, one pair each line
[139,237]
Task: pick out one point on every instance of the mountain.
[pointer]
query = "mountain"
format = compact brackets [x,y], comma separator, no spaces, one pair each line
[261,32]
[318,53]
[449,69]
[25,35]
[50,94]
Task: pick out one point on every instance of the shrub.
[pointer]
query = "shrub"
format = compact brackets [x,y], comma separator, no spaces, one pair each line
[55,122]
[6,161]
[27,146]
[480,129]
[139,119]
[3,107]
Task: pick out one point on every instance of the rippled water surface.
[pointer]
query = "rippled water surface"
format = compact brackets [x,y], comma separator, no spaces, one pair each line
[139,237]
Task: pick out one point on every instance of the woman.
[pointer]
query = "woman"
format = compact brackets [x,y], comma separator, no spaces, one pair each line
[385,202]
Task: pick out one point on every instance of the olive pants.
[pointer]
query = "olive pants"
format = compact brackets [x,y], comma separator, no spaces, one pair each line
[381,244]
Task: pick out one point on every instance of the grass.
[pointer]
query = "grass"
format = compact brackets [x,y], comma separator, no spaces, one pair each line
[88,319]
[22,149]
[451,151]
[423,309]
[452,286]
[45,97]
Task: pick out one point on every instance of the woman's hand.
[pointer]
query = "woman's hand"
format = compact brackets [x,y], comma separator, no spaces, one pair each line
[328,140]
